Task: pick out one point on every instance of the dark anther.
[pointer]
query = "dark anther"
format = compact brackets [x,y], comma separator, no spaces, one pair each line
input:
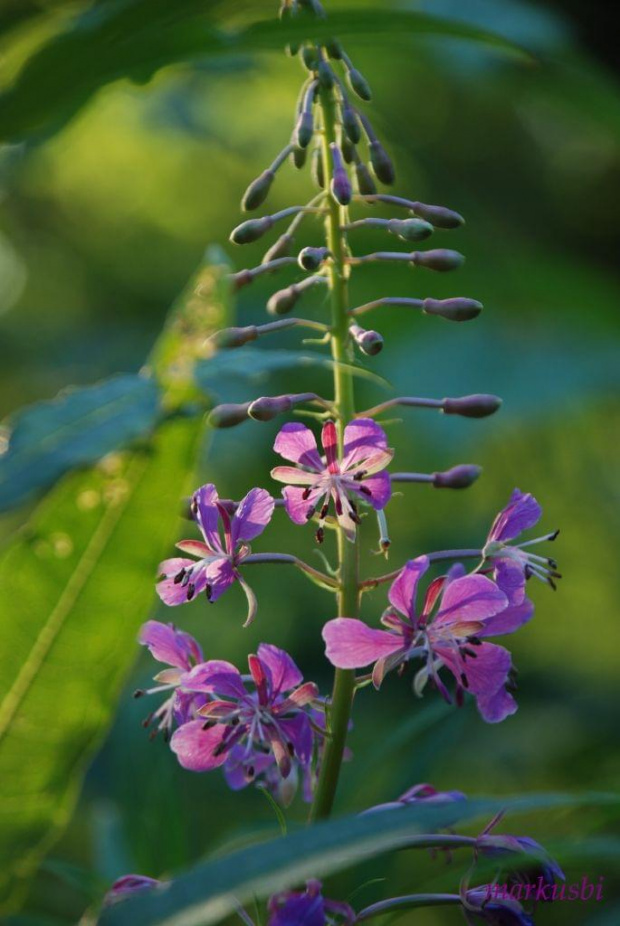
[475,641]
[147,721]
[291,748]
[139,692]
[250,772]
[208,724]
[166,735]
[208,591]
[191,588]
[338,504]
[235,722]
[528,572]
[466,651]
[219,749]
[179,576]
[552,563]
[552,583]
[320,535]
[366,491]
[359,476]
[464,681]
[194,507]
[306,494]
[310,512]
[324,511]
[553,535]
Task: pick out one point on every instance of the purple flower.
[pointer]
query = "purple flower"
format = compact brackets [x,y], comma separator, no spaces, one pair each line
[512,565]
[478,908]
[128,885]
[181,653]
[315,481]
[504,847]
[469,608]
[307,908]
[225,547]
[269,720]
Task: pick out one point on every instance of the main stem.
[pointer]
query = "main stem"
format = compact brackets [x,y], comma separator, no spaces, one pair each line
[344,401]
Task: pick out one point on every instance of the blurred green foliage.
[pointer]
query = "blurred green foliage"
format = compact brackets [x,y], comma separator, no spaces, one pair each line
[102,224]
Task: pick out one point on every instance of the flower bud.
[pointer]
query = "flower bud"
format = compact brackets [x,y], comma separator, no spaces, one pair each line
[318,174]
[283,301]
[365,184]
[381,163]
[304,130]
[257,192]
[348,149]
[325,74]
[241,279]
[359,84]
[233,337]
[457,309]
[438,216]
[351,123]
[227,416]
[312,258]
[251,230]
[333,49]
[268,407]
[459,477]
[280,248]
[410,229]
[340,185]
[298,156]
[369,342]
[310,58]
[472,406]
[441,259]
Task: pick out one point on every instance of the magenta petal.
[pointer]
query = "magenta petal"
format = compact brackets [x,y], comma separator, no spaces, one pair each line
[380,487]
[509,620]
[521,513]
[196,747]
[509,575]
[169,645]
[207,515]
[471,598]
[495,707]
[242,768]
[296,442]
[403,590]
[215,677]
[298,731]
[487,675]
[174,593]
[361,437]
[284,673]
[220,575]
[351,644]
[296,505]
[252,516]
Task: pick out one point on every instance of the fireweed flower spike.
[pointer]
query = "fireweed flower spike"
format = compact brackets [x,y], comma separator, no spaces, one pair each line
[181,653]
[219,557]
[469,608]
[511,562]
[309,907]
[271,718]
[315,481]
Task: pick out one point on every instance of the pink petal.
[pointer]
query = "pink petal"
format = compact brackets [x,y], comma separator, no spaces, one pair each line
[351,644]
[284,673]
[174,593]
[296,442]
[207,515]
[293,476]
[521,513]
[403,590]
[252,516]
[220,575]
[380,487]
[296,505]
[195,747]
[470,598]
[215,677]
[361,437]
[194,547]
[169,645]
[509,620]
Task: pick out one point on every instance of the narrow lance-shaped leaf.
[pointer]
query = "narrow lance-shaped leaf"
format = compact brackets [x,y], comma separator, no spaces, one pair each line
[77,583]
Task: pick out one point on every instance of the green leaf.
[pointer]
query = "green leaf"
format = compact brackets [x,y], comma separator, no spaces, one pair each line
[212,890]
[77,583]
[77,428]
[135,38]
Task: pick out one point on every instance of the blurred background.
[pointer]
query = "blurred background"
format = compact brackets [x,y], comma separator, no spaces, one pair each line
[100,227]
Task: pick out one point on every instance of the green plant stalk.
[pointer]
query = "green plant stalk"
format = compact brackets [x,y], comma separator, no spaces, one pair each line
[344,402]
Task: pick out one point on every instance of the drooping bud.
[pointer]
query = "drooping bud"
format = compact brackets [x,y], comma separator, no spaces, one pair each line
[369,342]
[340,185]
[312,258]
[298,156]
[283,301]
[325,74]
[472,406]
[310,58]
[410,229]
[381,163]
[228,338]
[358,84]
[268,407]
[457,309]
[438,216]
[348,149]
[257,192]
[318,174]
[313,6]
[227,416]
[365,184]
[304,130]
[459,477]
[441,259]
[241,279]
[280,248]
[351,123]
[333,49]
[251,230]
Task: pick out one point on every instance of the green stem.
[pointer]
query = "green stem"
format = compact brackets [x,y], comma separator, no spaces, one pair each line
[344,401]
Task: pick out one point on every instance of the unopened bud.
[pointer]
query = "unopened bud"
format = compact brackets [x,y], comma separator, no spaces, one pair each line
[459,477]
[358,84]
[312,258]
[241,279]
[351,123]
[326,75]
[410,229]
[313,6]
[310,58]
[318,174]
[457,309]
[472,406]
[381,163]
[257,192]
[298,156]
[304,130]
[227,416]
[251,230]
[333,49]
[268,407]
[365,184]
[283,301]
[441,259]
[438,216]
[369,342]
[348,149]
[280,248]
[233,337]
[341,185]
